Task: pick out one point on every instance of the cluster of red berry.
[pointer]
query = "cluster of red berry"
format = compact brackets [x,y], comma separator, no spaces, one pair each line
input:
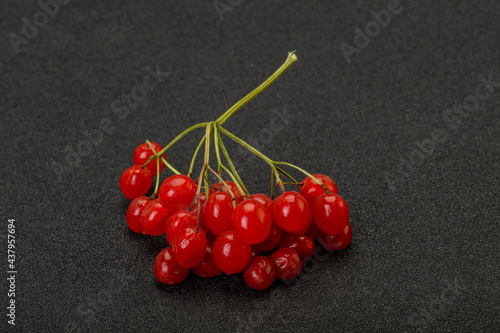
[225,229]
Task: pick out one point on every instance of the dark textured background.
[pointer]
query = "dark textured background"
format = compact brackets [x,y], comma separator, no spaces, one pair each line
[425,252]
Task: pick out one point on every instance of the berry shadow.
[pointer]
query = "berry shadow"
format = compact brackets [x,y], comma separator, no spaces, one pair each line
[149,245]
[223,286]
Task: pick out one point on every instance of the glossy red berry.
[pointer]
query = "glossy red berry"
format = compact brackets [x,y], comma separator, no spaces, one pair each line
[338,241]
[287,262]
[178,221]
[207,267]
[166,268]
[291,211]
[232,186]
[190,247]
[306,227]
[154,218]
[262,198]
[142,154]
[218,213]
[311,190]
[135,181]
[272,240]
[134,212]
[251,220]
[231,253]
[177,192]
[304,245]
[331,213]
[260,274]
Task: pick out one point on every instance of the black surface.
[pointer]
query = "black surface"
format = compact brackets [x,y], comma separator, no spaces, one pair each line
[424,254]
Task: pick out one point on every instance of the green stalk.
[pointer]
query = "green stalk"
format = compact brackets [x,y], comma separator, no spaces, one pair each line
[157,169]
[216,141]
[224,185]
[306,173]
[289,62]
[190,172]
[206,160]
[256,152]
[235,181]
[231,165]
[286,174]
[247,146]
[174,170]
[177,138]
[272,185]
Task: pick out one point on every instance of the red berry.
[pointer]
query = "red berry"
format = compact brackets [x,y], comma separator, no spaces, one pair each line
[311,190]
[338,241]
[306,227]
[291,211]
[251,220]
[142,154]
[135,181]
[232,186]
[218,212]
[304,245]
[260,274]
[207,267]
[231,253]
[177,221]
[177,192]
[190,247]
[287,262]
[331,213]
[262,198]
[166,268]
[272,240]
[154,218]
[134,212]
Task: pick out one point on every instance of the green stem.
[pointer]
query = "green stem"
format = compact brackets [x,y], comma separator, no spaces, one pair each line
[224,185]
[205,182]
[231,165]
[190,172]
[174,170]
[208,137]
[157,178]
[158,164]
[272,185]
[216,142]
[157,169]
[177,138]
[256,152]
[289,62]
[306,173]
[247,146]
[198,191]
[286,174]
[203,169]
[233,178]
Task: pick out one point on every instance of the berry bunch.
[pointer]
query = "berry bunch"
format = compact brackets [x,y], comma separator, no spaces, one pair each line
[223,228]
